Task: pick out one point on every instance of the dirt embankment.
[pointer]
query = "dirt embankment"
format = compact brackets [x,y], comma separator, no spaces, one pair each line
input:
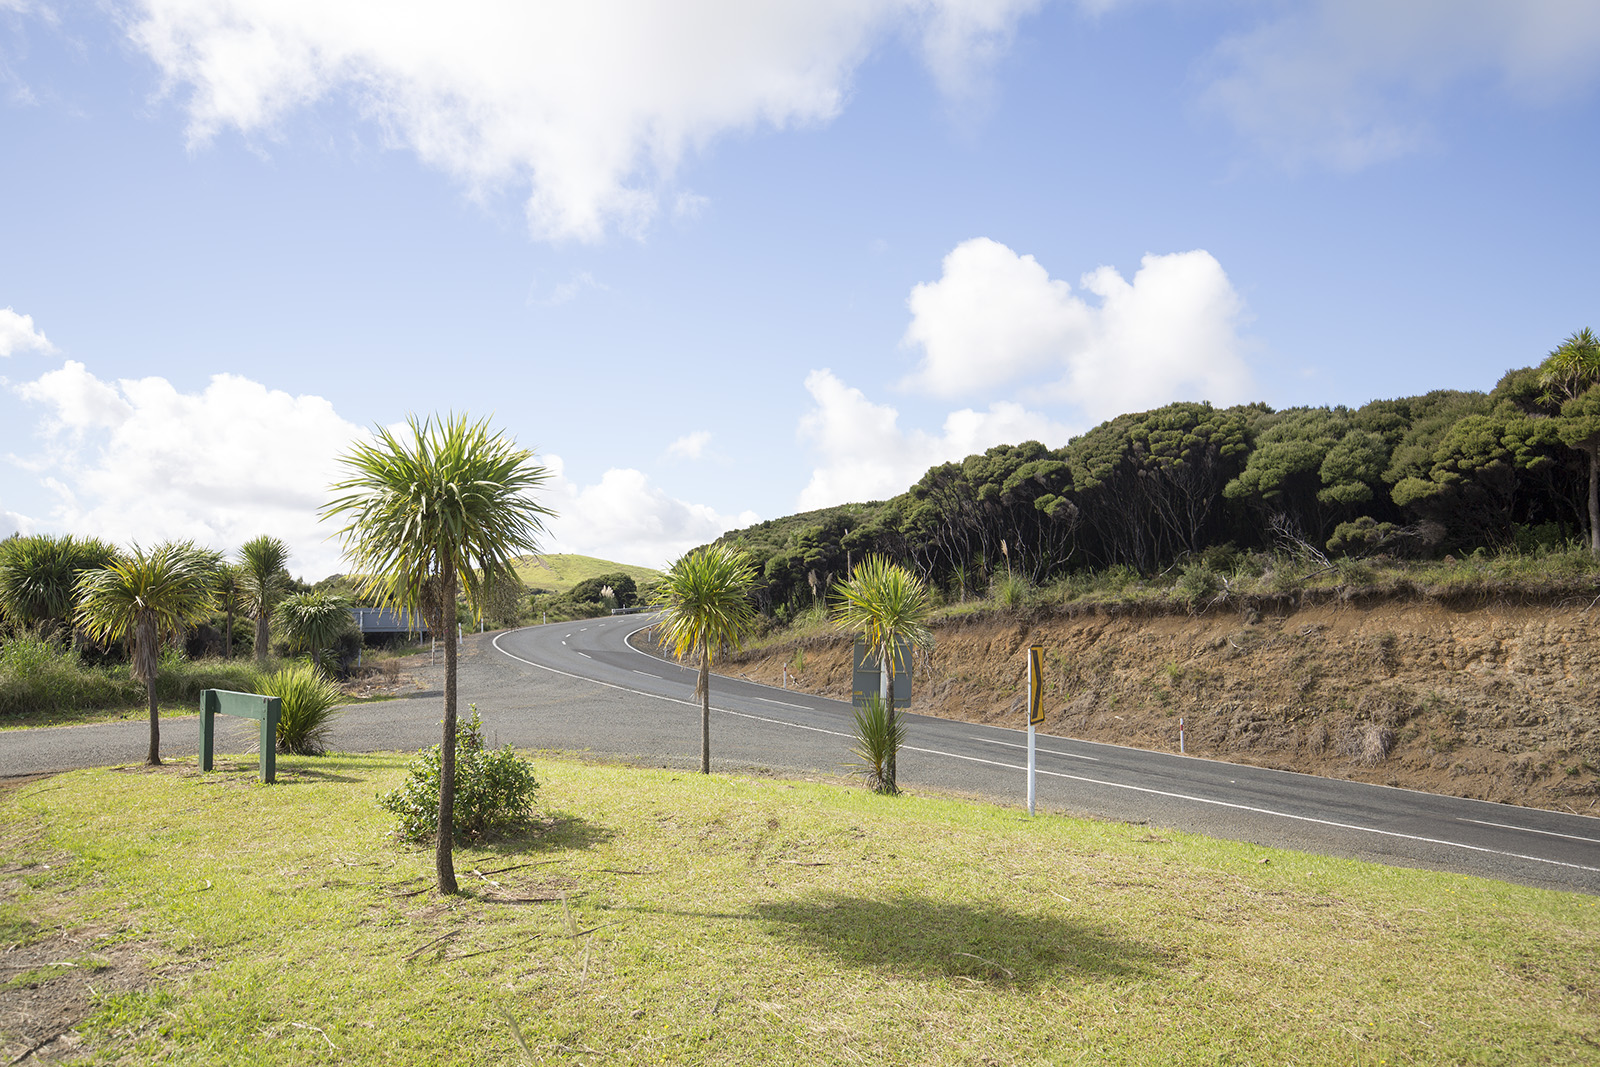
[1496,702]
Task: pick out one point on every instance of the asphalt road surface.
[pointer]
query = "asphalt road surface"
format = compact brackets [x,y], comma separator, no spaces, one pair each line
[584,687]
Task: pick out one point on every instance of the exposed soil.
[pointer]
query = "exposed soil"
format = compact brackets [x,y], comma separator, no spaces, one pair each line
[1493,701]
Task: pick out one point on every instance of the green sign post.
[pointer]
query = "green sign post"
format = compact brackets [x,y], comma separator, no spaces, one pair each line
[214,702]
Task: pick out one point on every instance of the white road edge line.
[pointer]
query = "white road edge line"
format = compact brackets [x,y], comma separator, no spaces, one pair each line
[1531,830]
[784,704]
[1042,751]
[1069,777]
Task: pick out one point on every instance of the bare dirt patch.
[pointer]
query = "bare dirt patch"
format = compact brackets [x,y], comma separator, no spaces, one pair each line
[1496,701]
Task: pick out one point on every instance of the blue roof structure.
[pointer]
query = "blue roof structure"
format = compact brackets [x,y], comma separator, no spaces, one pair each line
[385,621]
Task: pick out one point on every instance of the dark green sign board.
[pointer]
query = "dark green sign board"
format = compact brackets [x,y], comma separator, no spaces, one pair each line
[867,680]
[214,702]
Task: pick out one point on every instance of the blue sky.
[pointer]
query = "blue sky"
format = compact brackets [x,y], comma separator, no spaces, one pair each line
[719,260]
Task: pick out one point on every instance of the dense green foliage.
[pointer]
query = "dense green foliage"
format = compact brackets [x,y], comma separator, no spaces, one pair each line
[1420,477]
[307,700]
[494,789]
[39,574]
[40,679]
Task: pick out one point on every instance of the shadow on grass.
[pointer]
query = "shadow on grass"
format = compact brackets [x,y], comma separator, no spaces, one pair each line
[922,938]
[557,832]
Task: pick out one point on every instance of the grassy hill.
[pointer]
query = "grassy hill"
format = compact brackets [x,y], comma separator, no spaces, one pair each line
[560,571]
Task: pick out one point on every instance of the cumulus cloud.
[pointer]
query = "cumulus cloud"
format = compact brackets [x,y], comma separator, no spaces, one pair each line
[865,455]
[589,107]
[137,460]
[690,445]
[996,319]
[18,334]
[624,517]
[1347,83]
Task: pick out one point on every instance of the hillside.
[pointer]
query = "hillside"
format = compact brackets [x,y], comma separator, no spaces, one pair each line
[558,572]
[1495,700]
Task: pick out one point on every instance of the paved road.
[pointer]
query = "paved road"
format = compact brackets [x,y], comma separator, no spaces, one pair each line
[583,687]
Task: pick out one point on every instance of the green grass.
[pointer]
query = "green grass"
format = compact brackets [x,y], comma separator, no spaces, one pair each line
[559,572]
[718,920]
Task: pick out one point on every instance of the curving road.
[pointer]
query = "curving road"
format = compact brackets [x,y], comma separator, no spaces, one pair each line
[758,725]
[583,687]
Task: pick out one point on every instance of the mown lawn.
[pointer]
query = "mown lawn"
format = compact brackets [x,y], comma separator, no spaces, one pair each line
[666,917]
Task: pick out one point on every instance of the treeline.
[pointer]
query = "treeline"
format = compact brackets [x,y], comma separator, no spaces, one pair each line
[1414,477]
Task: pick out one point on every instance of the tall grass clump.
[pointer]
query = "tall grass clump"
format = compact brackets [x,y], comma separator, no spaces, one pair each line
[39,677]
[876,741]
[308,702]
[1011,591]
[182,679]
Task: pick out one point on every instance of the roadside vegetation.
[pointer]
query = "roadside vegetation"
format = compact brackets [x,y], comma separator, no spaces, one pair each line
[1448,494]
[657,917]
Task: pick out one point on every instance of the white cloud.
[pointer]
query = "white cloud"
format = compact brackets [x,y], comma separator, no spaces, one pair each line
[690,445]
[865,455]
[139,460]
[589,106]
[625,518]
[1347,83]
[12,523]
[996,318]
[18,334]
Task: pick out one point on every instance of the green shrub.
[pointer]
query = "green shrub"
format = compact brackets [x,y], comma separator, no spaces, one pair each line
[1197,585]
[494,789]
[875,742]
[308,702]
[1011,590]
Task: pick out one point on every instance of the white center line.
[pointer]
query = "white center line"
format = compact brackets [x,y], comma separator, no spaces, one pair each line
[1076,778]
[1531,830]
[783,704]
[1041,751]
[585,655]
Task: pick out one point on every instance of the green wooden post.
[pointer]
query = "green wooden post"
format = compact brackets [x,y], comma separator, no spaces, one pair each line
[265,709]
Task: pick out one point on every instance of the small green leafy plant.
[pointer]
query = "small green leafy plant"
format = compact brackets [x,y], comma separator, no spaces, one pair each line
[494,789]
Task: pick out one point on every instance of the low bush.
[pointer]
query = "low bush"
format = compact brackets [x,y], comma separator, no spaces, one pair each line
[494,789]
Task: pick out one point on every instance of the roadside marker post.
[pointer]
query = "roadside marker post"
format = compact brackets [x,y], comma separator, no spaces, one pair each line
[1035,710]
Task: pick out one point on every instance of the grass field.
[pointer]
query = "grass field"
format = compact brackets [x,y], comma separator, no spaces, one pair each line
[666,917]
[559,571]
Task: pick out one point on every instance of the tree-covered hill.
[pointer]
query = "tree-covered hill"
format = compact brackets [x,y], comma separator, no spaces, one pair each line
[1408,478]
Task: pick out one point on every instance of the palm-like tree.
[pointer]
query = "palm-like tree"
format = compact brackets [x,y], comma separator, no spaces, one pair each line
[264,580]
[39,573]
[888,606]
[230,598]
[313,621]
[705,606]
[1569,376]
[147,595]
[443,512]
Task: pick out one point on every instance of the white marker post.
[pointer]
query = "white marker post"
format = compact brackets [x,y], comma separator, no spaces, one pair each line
[1035,709]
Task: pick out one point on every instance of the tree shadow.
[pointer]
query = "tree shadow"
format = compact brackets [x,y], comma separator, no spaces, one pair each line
[931,939]
[555,832]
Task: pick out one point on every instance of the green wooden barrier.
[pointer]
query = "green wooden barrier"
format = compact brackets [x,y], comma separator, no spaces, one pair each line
[214,702]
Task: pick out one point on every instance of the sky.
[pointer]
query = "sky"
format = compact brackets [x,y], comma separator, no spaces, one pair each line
[718,261]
